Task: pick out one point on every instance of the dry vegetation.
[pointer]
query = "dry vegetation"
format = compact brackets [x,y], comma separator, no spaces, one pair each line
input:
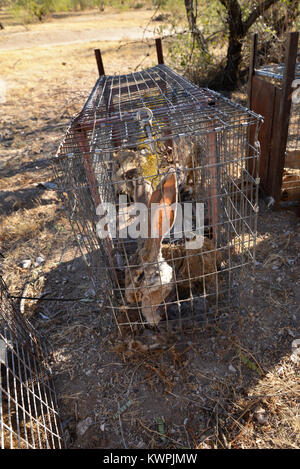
[234,386]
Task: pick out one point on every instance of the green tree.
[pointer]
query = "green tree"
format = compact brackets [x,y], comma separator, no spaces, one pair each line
[35,8]
[239,21]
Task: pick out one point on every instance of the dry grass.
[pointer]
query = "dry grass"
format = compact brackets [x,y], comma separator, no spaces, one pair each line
[277,397]
[25,224]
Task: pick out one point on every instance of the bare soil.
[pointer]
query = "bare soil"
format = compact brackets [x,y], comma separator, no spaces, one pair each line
[77,28]
[204,388]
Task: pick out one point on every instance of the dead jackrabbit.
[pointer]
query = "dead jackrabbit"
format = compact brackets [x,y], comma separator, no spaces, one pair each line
[156,267]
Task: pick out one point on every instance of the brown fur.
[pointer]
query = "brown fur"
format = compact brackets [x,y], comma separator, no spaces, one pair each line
[151,284]
[193,265]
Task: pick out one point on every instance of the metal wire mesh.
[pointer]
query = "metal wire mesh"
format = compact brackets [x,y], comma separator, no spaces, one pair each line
[152,136]
[275,71]
[28,411]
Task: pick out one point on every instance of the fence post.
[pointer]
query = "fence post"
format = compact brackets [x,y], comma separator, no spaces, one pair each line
[281,124]
[99,62]
[159,51]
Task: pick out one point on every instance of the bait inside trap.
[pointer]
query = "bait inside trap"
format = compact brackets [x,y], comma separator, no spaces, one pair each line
[188,159]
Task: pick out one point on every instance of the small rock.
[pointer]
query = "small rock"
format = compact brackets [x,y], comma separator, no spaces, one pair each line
[260,415]
[295,357]
[26,263]
[280,370]
[39,260]
[48,185]
[231,369]
[296,344]
[83,426]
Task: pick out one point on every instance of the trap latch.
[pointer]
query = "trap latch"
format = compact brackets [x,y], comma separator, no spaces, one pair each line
[145,116]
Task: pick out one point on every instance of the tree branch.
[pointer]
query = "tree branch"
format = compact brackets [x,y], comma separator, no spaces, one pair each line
[261,8]
[192,21]
[288,19]
[234,12]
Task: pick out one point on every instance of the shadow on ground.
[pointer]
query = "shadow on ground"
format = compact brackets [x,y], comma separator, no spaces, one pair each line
[198,388]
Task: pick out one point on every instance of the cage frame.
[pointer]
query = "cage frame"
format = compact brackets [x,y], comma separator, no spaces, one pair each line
[274,103]
[81,125]
[29,416]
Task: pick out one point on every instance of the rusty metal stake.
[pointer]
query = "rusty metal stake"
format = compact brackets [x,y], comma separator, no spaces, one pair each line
[99,62]
[159,51]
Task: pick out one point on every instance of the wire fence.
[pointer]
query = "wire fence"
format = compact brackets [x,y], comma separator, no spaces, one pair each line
[29,417]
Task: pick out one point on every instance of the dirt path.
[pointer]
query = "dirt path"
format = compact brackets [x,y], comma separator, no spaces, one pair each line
[66,29]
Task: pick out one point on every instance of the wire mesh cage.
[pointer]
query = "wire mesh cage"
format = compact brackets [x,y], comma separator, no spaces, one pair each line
[160,180]
[28,411]
[278,85]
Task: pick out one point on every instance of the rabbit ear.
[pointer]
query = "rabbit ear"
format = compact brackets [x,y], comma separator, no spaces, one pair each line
[163,212]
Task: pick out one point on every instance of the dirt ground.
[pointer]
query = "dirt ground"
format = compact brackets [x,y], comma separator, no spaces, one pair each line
[74,28]
[230,385]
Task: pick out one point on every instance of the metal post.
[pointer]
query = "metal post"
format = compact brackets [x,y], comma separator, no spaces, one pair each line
[99,62]
[160,57]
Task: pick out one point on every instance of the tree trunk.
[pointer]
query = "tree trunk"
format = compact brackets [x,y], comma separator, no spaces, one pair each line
[233,61]
[192,21]
[234,51]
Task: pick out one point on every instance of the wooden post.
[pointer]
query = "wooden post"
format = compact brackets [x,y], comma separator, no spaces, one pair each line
[250,166]
[99,62]
[160,57]
[281,124]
